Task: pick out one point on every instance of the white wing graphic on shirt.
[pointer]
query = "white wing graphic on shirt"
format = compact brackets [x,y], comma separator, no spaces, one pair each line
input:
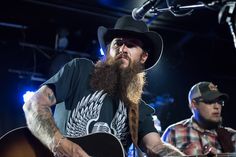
[118,124]
[87,111]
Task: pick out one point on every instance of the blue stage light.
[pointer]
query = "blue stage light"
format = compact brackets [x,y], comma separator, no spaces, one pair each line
[28,95]
[102,52]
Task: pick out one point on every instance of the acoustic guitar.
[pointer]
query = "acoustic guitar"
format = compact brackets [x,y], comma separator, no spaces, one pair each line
[20,142]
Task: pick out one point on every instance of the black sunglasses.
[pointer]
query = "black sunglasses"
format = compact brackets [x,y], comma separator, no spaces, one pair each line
[218,101]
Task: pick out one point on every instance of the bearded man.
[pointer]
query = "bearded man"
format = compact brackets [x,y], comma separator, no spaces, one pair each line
[203,134]
[101,98]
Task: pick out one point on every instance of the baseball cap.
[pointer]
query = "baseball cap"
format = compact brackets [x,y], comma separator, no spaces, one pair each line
[206,91]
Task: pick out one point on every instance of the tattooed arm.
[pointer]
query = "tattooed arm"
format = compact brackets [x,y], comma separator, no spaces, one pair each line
[41,123]
[155,147]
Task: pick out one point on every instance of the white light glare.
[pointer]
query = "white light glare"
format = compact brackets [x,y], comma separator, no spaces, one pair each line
[101,52]
[28,95]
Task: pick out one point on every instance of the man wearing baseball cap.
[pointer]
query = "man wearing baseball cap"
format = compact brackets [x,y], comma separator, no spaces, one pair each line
[203,133]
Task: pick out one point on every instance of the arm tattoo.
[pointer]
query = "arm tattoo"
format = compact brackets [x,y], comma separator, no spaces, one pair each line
[44,126]
[165,150]
[39,117]
[168,152]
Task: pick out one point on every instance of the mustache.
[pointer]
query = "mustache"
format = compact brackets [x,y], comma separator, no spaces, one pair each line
[120,55]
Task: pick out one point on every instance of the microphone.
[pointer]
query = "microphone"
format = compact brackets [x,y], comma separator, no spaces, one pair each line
[139,13]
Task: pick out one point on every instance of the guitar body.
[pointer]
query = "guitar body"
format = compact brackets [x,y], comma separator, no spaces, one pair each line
[21,143]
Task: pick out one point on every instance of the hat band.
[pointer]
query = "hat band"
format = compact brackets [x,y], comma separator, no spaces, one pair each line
[131,28]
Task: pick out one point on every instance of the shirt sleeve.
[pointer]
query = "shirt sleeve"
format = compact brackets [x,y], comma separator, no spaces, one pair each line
[169,136]
[66,79]
[146,123]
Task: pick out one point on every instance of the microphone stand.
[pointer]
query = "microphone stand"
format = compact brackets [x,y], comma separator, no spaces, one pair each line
[226,14]
[178,8]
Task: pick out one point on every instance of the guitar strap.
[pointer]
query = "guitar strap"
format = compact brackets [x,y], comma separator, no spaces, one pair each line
[224,137]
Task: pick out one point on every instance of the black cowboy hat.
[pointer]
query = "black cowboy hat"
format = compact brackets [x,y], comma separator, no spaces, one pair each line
[127,26]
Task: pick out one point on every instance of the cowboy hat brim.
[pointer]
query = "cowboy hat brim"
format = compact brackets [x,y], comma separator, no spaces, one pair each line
[153,42]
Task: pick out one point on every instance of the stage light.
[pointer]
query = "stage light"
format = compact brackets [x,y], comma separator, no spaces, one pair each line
[62,41]
[102,52]
[163,100]
[157,123]
[28,95]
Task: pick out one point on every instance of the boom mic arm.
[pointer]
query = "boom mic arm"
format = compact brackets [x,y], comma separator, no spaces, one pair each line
[228,14]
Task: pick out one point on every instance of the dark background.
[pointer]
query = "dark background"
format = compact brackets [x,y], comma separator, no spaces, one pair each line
[196,48]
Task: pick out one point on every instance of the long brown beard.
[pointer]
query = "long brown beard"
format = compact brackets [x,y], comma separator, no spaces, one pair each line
[126,84]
